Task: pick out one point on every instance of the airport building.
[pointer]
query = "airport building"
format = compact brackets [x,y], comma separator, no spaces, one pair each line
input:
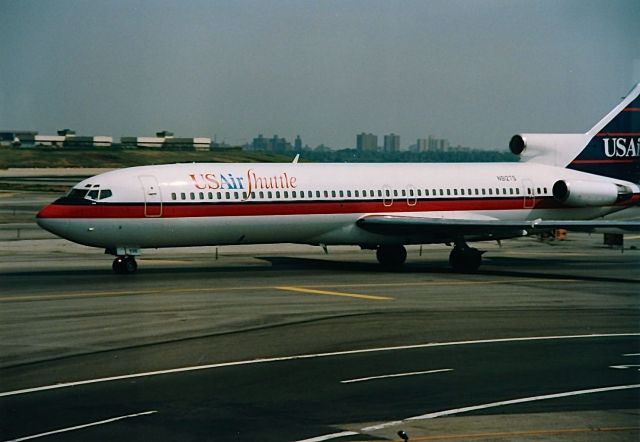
[64,138]
[166,140]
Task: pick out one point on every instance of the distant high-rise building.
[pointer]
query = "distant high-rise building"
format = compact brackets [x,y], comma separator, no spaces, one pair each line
[298,143]
[422,145]
[438,144]
[366,141]
[392,143]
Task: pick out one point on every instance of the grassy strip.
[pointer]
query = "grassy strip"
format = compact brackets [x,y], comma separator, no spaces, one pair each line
[116,158]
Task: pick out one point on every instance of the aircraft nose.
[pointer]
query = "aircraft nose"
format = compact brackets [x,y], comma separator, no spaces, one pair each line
[49,219]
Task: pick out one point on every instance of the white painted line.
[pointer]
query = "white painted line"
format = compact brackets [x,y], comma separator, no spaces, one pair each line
[330,436]
[308,356]
[522,400]
[497,404]
[622,367]
[632,354]
[398,375]
[80,427]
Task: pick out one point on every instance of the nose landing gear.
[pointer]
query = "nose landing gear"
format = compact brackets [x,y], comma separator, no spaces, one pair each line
[125,265]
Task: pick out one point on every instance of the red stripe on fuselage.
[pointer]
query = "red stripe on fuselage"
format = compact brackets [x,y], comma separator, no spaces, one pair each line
[248,208]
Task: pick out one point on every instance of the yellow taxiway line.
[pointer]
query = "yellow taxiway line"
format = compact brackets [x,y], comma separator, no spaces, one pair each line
[331,293]
[317,289]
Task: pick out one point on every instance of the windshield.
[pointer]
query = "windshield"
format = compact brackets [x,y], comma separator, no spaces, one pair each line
[90,194]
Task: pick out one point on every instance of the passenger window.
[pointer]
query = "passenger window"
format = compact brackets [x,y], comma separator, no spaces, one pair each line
[295,194]
[404,192]
[210,195]
[286,194]
[380,193]
[174,196]
[490,191]
[484,192]
[269,195]
[348,194]
[462,192]
[326,194]
[201,195]
[419,192]
[455,192]
[183,196]
[219,195]
[277,194]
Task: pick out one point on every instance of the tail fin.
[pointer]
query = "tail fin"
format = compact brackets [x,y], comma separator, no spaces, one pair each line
[611,148]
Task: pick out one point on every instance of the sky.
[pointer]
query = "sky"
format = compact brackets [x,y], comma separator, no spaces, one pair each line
[472,71]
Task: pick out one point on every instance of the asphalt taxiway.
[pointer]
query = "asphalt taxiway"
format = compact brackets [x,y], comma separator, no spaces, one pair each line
[285,342]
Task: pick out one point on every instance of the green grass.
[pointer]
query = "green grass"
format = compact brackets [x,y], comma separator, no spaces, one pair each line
[114,158]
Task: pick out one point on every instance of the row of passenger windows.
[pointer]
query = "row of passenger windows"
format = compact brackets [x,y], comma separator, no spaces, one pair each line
[380,193]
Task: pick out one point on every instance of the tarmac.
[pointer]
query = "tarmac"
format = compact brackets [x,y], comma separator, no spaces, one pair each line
[285,342]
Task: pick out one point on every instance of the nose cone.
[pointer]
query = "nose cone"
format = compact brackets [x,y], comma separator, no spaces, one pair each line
[51,219]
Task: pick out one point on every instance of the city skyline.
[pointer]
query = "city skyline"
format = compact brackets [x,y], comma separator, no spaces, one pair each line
[473,73]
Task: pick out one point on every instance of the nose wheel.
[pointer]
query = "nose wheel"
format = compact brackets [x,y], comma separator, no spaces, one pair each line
[124,265]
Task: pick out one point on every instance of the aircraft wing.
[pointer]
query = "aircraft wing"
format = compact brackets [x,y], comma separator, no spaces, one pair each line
[447,228]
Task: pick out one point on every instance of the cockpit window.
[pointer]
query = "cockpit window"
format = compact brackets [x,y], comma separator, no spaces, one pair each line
[77,193]
[90,194]
[105,193]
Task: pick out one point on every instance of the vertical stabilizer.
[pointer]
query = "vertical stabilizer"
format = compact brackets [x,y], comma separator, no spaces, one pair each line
[613,147]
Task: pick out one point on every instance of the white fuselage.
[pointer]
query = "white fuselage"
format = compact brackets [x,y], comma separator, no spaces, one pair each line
[217,203]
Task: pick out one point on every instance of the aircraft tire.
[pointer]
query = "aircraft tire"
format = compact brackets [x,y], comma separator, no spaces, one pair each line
[465,260]
[124,265]
[392,256]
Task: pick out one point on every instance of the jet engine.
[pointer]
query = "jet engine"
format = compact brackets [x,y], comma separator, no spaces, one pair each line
[589,193]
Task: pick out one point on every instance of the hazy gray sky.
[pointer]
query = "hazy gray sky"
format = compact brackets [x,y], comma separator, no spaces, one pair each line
[474,72]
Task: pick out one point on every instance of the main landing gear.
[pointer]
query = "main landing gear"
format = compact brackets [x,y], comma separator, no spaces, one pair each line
[391,256]
[124,265]
[465,259]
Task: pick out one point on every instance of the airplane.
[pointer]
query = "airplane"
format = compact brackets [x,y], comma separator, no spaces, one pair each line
[569,181]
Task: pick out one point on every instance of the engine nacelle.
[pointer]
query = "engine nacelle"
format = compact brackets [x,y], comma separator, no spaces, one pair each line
[546,148]
[589,193]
